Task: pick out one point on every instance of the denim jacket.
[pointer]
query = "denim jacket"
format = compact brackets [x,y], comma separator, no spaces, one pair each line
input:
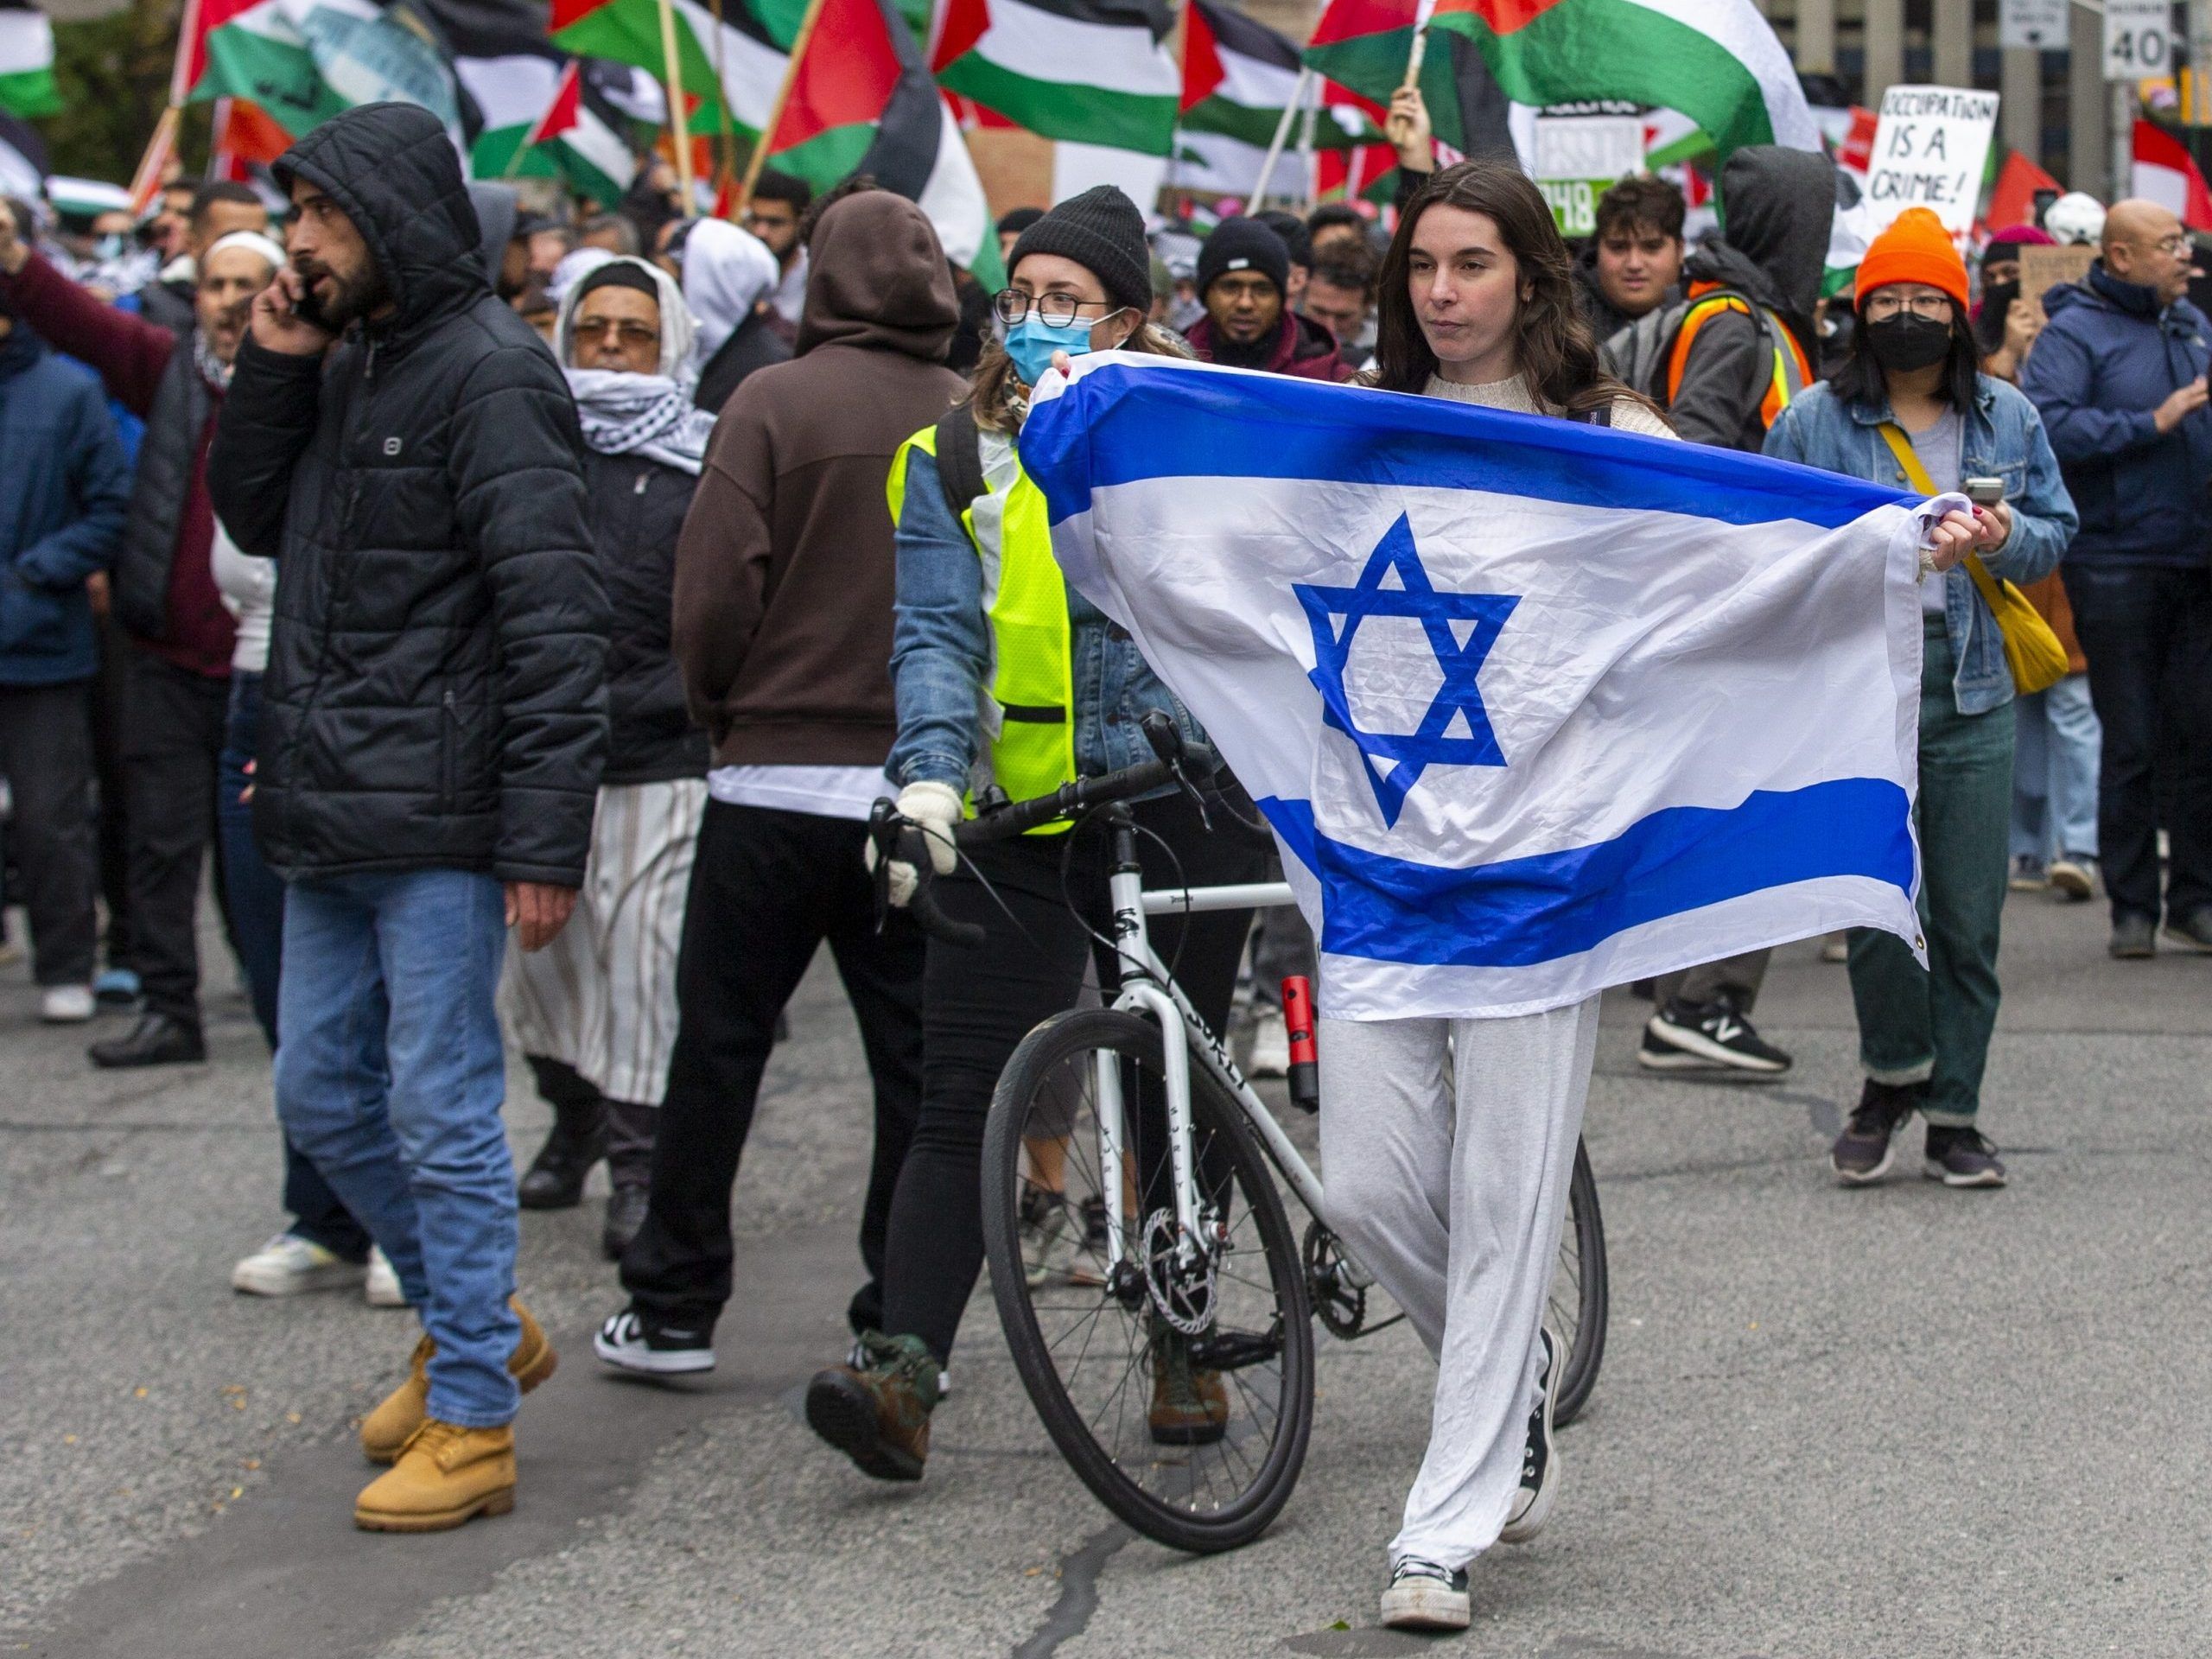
[940,655]
[2003,439]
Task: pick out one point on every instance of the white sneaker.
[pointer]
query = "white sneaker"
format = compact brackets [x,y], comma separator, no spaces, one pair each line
[286,1266]
[66,1005]
[383,1286]
[1270,1046]
[1423,1596]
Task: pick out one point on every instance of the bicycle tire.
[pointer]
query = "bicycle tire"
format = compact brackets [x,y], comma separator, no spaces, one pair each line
[1030,1078]
[1587,1350]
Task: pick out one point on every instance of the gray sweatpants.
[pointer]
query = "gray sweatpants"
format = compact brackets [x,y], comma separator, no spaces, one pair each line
[1447,1175]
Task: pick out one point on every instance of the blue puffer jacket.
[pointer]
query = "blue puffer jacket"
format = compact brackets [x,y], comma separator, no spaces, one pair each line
[2003,439]
[2108,357]
[63,488]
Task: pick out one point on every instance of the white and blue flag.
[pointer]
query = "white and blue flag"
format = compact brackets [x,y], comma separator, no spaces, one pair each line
[1534,708]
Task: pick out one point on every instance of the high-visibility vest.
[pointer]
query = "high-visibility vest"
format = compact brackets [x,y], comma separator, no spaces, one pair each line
[1791,373]
[1028,716]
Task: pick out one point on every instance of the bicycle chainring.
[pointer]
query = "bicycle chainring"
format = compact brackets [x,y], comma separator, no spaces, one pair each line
[1340,1304]
[1183,1292]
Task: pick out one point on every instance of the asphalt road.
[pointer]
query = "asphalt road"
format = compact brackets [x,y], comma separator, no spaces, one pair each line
[1899,1422]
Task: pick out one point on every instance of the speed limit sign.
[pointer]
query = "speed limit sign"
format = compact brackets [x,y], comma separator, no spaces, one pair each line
[2139,39]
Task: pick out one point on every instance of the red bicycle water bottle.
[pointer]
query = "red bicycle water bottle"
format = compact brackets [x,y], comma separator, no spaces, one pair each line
[1305,1055]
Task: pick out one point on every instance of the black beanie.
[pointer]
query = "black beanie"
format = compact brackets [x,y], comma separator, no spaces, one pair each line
[1244,244]
[1102,230]
[620,273]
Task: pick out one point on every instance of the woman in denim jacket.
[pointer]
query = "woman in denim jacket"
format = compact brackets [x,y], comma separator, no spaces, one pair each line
[1924,1036]
[1001,681]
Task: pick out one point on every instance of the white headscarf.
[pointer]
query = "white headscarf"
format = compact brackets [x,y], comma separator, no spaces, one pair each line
[576,264]
[650,415]
[725,271]
[252,240]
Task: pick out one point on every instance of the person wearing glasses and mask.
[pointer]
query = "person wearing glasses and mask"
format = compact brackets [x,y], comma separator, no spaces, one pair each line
[1911,408]
[1017,682]
[595,1012]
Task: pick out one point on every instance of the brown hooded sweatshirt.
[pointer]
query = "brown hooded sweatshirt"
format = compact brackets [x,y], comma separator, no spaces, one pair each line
[783,577]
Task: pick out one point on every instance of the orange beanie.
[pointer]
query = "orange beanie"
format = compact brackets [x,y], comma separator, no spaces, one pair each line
[1915,249]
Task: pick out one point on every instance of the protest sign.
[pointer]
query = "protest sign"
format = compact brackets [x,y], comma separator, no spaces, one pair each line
[1930,145]
[1578,157]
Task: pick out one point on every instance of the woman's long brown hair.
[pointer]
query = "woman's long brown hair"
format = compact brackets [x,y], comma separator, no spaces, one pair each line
[1557,352]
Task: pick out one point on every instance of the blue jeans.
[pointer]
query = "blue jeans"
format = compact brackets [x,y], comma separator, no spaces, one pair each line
[390,1077]
[257,897]
[2055,773]
[1933,1025]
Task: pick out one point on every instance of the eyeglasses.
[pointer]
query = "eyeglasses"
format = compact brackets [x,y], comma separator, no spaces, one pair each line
[2176,245]
[1057,310]
[1935,307]
[629,332]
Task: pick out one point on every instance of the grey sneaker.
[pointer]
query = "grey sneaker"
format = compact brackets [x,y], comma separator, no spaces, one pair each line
[2029,874]
[1863,1152]
[2192,931]
[2133,937]
[2074,878]
[1961,1156]
[1423,1596]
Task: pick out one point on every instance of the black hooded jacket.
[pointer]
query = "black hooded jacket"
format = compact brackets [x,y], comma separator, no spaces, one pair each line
[434,696]
[1780,205]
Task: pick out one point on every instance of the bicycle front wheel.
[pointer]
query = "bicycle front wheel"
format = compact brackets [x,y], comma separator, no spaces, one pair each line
[1579,1292]
[1177,1383]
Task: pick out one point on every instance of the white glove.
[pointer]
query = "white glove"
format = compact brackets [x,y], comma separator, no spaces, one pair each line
[935,809]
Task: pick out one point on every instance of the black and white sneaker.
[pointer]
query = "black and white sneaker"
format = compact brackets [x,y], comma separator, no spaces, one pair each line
[1423,1596]
[628,1344]
[1532,1504]
[1709,1037]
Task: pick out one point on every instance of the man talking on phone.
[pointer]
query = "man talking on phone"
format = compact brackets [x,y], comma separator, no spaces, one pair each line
[433,724]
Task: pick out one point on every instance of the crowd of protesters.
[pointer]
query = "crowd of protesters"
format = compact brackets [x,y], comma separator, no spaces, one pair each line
[512,605]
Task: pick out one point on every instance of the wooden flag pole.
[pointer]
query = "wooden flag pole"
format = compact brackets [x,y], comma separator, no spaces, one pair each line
[1418,49]
[1283,132]
[760,157]
[679,133]
[728,168]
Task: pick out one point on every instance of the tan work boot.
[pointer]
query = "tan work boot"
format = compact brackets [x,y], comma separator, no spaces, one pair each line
[446,1475]
[879,1416]
[385,1431]
[1189,1407]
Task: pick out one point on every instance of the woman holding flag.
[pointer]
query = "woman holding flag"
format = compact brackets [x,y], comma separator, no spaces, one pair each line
[1447,1144]
[1910,408]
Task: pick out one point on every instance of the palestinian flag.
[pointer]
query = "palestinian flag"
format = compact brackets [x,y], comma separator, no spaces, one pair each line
[1091,71]
[1362,45]
[26,61]
[1717,61]
[503,96]
[254,50]
[581,139]
[1238,76]
[628,31]
[860,100]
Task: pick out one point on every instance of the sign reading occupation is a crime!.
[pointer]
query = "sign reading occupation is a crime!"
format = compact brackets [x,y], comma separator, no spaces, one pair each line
[1579,157]
[1931,146]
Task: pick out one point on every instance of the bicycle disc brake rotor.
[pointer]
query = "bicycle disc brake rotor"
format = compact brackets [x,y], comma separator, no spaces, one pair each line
[1182,1291]
[1341,1304]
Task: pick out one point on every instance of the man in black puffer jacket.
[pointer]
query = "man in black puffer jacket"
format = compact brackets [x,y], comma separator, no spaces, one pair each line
[433,723]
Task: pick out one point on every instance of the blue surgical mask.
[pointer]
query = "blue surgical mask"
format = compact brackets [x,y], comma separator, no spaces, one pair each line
[1031,342]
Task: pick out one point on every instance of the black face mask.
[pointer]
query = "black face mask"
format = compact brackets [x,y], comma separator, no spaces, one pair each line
[1996,305]
[1908,341]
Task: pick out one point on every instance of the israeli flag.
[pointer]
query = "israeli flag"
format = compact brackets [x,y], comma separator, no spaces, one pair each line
[1534,708]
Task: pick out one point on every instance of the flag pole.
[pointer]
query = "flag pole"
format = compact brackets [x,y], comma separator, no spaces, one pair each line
[1418,49]
[1305,148]
[760,156]
[1283,132]
[679,134]
[728,169]
[147,178]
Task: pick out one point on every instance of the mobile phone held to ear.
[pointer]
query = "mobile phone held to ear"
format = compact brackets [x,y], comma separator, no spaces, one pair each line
[1984,492]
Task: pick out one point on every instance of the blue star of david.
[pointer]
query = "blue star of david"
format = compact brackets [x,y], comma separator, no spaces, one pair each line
[1479,616]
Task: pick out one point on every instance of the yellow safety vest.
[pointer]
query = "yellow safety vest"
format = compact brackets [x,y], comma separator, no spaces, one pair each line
[1029,717]
[1791,373]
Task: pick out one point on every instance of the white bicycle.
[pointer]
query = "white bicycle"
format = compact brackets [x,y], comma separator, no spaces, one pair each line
[1135,1229]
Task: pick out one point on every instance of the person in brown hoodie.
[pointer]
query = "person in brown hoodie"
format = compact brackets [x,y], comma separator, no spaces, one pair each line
[782,613]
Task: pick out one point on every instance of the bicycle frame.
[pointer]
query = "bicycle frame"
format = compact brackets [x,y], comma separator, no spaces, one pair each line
[1148,988]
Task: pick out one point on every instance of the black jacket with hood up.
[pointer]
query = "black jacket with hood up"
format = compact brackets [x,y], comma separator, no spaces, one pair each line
[1780,205]
[434,696]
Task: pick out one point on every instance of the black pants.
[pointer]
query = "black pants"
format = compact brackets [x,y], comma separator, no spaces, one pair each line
[2147,632]
[110,691]
[767,888]
[978,1005]
[172,742]
[46,754]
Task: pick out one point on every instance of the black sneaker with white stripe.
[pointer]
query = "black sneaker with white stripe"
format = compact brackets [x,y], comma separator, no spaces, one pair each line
[1423,1596]
[1532,1504]
[629,1343]
[1712,1038]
